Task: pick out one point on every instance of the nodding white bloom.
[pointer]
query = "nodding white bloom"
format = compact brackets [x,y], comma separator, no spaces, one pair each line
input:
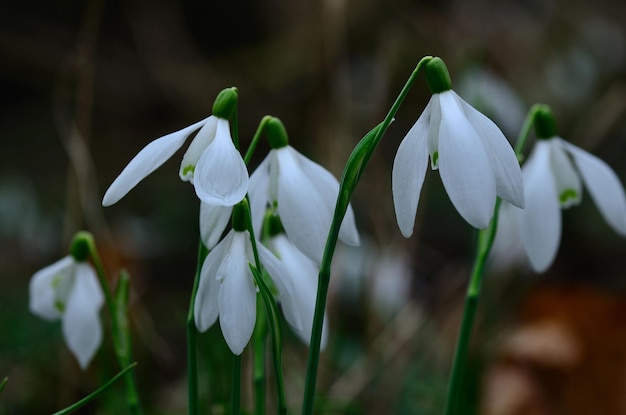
[553,178]
[69,290]
[304,274]
[303,192]
[227,289]
[212,163]
[475,160]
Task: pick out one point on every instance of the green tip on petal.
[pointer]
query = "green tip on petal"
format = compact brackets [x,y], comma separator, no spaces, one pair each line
[240,216]
[437,76]
[79,247]
[545,125]
[276,133]
[225,103]
[568,196]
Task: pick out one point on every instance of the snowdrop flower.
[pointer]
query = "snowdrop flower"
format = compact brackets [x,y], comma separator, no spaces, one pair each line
[213,221]
[553,178]
[304,274]
[68,290]
[475,160]
[212,163]
[303,192]
[227,289]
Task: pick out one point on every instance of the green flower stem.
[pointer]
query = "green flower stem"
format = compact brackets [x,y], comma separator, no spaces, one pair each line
[119,326]
[97,392]
[236,398]
[192,350]
[485,241]
[273,317]
[259,349]
[255,139]
[352,173]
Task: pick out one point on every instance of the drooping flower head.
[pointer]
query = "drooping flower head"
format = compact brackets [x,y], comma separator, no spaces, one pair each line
[553,179]
[474,159]
[302,192]
[212,163]
[227,289]
[68,290]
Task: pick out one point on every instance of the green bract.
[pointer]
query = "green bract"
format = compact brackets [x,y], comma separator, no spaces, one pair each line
[225,103]
[545,125]
[79,247]
[276,133]
[437,76]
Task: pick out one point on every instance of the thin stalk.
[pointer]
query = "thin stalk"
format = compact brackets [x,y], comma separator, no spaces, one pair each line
[236,398]
[485,241]
[121,338]
[95,394]
[4,383]
[352,173]
[255,139]
[259,349]
[192,350]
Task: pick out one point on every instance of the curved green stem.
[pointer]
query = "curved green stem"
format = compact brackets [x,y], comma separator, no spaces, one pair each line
[192,350]
[485,241]
[352,173]
[255,139]
[119,322]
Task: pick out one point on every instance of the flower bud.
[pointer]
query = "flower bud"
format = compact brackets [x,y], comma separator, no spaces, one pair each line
[545,125]
[276,133]
[240,216]
[437,76]
[79,247]
[225,103]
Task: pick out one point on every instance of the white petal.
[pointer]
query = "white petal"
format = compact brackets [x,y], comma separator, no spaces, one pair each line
[568,185]
[206,307]
[540,221]
[237,296]
[213,221]
[604,186]
[81,321]
[282,279]
[303,211]
[146,161]
[44,287]
[199,143]
[328,188]
[432,119]
[221,176]
[407,176]
[509,184]
[304,274]
[259,194]
[507,249]
[464,166]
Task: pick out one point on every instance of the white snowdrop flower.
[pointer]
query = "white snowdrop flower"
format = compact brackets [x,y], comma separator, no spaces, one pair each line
[227,289]
[68,290]
[303,192]
[474,159]
[212,163]
[553,178]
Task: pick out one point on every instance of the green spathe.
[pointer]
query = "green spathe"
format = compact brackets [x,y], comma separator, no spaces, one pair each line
[225,103]
[79,247]
[545,125]
[276,133]
[437,76]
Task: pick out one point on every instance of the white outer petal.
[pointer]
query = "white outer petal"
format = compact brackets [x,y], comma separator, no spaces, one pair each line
[221,176]
[464,167]
[200,142]
[43,288]
[328,188]
[432,118]
[146,161]
[206,307]
[237,295]
[565,176]
[509,183]
[282,279]
[303,211]
[507,249]
[213,221]
[540,221]
[408,173]
[603,185]
[81,320]
[259,194]
[304,274]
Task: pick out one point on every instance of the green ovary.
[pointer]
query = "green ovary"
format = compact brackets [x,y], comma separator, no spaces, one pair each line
[568,196]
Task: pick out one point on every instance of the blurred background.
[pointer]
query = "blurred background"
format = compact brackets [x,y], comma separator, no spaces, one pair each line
[86,85]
